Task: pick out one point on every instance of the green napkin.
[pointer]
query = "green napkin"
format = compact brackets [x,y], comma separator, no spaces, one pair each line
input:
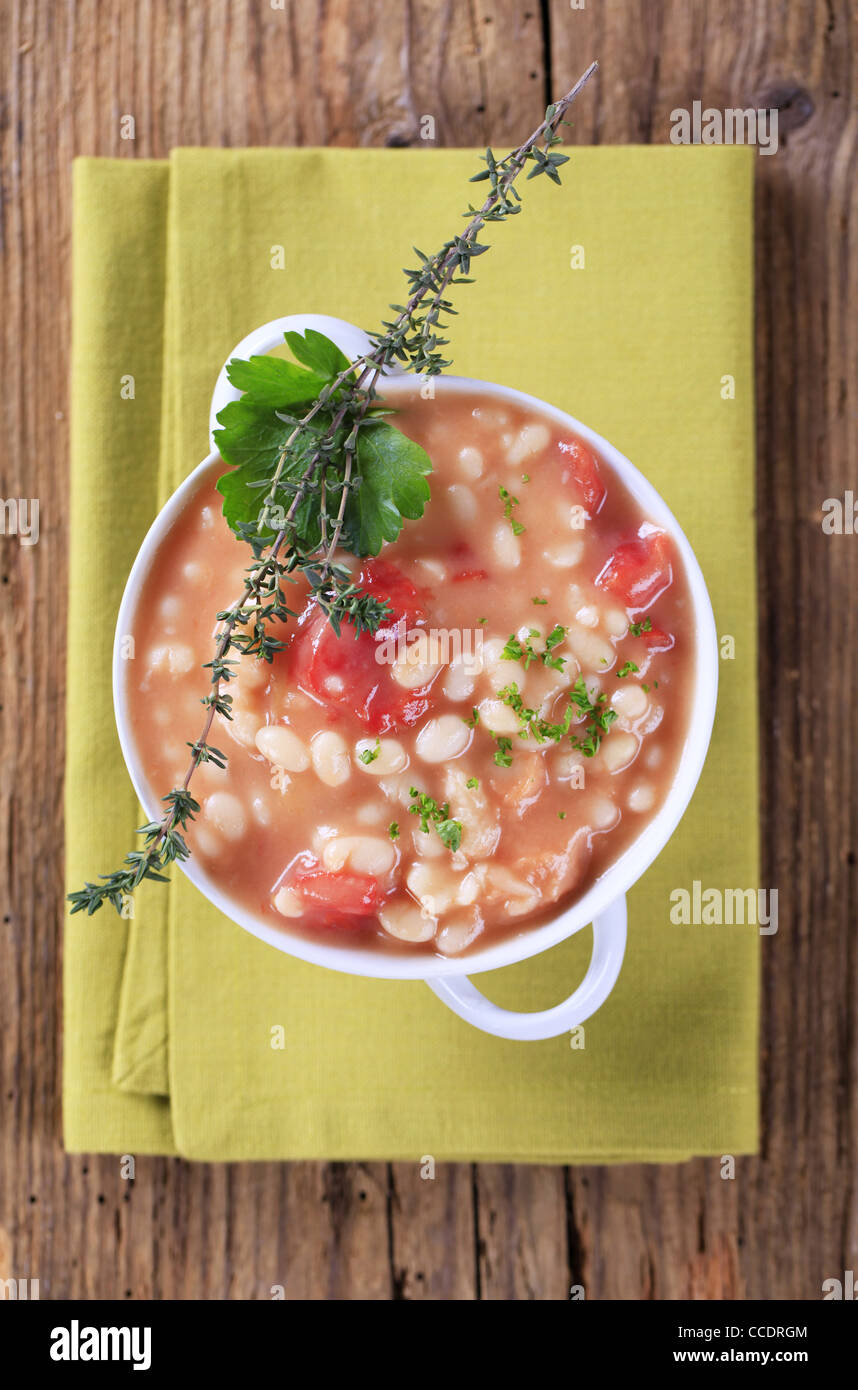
[169,1015]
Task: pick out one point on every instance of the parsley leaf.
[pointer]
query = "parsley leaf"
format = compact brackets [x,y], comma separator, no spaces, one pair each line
[389,484]
[317,352]
[393,487]
[274,382]
[637,628]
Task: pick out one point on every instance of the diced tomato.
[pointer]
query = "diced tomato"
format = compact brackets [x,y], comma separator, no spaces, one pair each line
[582,469]
[343,671]
[658,640]
[466,575]
[639,570]
[345,894]
[465,558]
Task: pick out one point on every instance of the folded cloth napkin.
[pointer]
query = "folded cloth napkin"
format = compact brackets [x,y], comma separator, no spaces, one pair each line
[624,297]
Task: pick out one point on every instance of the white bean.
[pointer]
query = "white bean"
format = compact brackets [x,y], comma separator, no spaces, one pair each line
[530,440]
[493,660]
[371,813]
[434,887]
[569,767]
[629,701]
[397,789]
[459,932]
[251,674]
[518,895]
[470,806]
[587,616]
[618,750]
[603,813]
[330,756]
[283,747]
[470,463]
[498,718]
[406,922]
[195,573]
[260,810]
[287,903]
[244,726]
[593,651]
[170,606]
[364,854]
[428,845]
[226,814]
[564,556]
[389,757]
[615,621]
[469,889]
[443,738]
[463,503]
[593,686]
[176,657]
[641,797]
[419,663]
[460,678]
[505,546]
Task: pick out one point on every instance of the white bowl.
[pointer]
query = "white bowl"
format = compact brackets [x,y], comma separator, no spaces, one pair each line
[604,902]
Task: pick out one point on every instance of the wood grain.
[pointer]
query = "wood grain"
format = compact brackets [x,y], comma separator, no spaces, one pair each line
[347,73]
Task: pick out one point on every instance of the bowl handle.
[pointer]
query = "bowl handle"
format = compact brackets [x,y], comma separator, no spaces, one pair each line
[609,945]
[350,340]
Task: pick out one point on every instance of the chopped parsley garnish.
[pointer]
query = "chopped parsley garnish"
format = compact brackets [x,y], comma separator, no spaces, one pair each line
[561,815]
[525,477]
[554,638]
[637,628]
[474,719]
[516,650]
[393,830]
[530,720]
[431,814]
[369,755]
[597,714]
[503,756]
[599,717]
[450,832]
[508,503]
[628,668]
[472,783]
[539,600]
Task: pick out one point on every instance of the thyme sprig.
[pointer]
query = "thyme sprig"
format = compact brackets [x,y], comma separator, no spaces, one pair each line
[313,436]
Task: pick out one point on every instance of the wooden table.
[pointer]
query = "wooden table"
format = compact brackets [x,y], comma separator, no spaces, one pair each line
[342,73]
